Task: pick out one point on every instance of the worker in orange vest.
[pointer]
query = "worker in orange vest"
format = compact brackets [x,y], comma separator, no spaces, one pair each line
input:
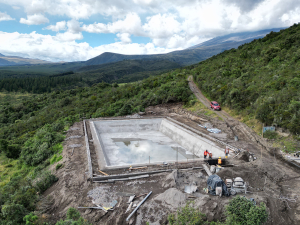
[226,152]
[210,155]
[219,161]
[205,154]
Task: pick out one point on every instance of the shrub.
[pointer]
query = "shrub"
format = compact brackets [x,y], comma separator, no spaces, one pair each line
[45,181]
[73,214]
[73,218]
[242,211]
[13,213]
[58,166]
[270,134]
[187,215]
[30,219]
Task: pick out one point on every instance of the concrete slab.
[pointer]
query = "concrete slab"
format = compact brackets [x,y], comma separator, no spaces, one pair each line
[132,141]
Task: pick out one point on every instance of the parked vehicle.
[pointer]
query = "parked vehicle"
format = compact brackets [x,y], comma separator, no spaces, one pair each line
[215,106]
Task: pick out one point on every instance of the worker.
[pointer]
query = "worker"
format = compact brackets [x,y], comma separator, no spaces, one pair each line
[210,155]
[219,161]
[205,154]
[226,152]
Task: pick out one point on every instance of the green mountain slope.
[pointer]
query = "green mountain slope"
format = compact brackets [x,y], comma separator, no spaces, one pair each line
[261,78]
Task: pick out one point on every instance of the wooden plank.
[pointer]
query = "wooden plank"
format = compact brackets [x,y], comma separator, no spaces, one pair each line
[103,173]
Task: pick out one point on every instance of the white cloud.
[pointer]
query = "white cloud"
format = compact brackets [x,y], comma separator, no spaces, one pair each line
[35,19]
[162,26]
[16,7]
[52,48]
[124,37]
[58,26]
[175,24]
[130,24]
[5,17]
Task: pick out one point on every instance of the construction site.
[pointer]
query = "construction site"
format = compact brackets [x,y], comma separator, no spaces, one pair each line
[140,168]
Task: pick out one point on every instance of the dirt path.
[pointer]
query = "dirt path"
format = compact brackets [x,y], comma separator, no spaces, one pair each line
[239,129]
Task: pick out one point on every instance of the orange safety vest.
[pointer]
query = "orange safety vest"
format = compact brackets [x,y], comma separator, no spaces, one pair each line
[219,161]
[210,154]
[205,153]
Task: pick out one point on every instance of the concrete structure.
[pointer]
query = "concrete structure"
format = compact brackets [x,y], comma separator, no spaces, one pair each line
[130,141]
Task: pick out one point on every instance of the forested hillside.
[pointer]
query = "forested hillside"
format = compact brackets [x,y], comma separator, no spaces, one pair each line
[261,78]
[32,130]
[118,72]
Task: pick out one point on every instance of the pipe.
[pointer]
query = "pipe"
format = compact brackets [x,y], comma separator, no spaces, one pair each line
[138,206]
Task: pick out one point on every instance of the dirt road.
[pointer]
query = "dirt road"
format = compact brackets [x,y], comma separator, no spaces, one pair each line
[241,130]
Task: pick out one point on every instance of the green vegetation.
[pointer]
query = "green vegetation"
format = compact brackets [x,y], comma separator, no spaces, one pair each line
[239,211]
[270,134]
[73,218]
[32,129]
[119,72]
[261,78]
[187,215]
[242,211]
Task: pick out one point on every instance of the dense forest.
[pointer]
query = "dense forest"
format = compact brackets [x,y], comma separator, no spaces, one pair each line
[261,78]
[32,130]
[118,72]
[39,84]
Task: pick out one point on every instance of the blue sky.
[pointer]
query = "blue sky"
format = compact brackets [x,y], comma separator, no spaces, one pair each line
[72,30]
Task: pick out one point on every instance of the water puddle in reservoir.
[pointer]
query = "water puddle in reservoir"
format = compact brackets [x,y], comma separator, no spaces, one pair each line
[137,151]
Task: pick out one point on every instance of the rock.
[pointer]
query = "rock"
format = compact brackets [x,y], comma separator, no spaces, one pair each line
[171,179]
[172,197]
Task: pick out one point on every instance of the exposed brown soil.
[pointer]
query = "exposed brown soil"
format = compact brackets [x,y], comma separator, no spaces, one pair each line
[271,179]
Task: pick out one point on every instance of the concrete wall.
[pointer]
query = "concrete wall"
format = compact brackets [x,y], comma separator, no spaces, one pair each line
[189,140]
[132,125]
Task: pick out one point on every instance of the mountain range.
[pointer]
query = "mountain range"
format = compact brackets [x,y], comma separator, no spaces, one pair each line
[114,67]
[16,60]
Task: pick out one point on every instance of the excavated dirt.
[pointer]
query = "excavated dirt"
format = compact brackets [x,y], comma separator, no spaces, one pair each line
[271,178]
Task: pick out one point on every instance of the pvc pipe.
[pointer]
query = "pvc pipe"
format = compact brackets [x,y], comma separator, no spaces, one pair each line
[139,205]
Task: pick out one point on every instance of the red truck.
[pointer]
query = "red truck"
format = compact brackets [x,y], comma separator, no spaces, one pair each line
[215,106]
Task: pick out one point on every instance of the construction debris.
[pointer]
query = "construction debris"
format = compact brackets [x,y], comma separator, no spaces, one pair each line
[136,168]
[129,207]
[214,130]
[191,188]
[103,173]
[140,195]
[120,176]
[138,206]
[130,199]
[111,205]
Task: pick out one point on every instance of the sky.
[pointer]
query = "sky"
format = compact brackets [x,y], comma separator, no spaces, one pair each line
[77,30]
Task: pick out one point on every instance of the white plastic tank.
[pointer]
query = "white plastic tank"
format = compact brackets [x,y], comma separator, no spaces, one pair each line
[219,191]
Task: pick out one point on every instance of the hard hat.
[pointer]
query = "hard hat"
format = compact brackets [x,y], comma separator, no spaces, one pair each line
[219,157]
